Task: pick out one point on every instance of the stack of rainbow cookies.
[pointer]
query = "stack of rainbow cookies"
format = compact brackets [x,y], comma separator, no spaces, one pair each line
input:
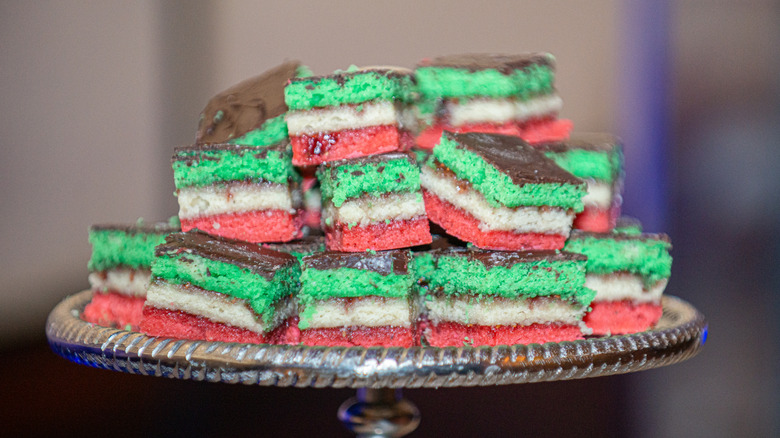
[307,205]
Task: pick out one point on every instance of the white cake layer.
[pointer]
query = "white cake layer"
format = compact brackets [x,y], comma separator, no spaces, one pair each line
[624,286]
[215,306]
[126,281]
[368,210]
[502,110]
[494,311]
[365,311]
[197,202]
[339,118]
[599,194]
[548,220]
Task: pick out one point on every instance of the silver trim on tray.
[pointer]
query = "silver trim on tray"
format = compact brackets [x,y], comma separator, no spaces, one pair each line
[678,336]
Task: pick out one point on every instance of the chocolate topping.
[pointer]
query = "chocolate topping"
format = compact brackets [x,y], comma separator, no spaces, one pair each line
[182,153]
[382,262]
[643,237]
[505,64]
[513,157]
[303,245]
[255,258]
[246,105]
[585,141]
[331,166]
[509,258]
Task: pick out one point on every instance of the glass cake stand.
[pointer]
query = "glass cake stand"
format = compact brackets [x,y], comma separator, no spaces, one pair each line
[378,373]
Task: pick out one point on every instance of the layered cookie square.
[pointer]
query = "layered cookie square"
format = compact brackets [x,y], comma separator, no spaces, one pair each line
[120,269]
[373,203]
[477,297]
[238,191]
[348,114]
[502,94]
[250,112]
[597,159]
[498,192]
[215,289]
[361,299]
[629,272]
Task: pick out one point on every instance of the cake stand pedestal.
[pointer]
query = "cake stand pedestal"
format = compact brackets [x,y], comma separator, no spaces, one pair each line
[379,373]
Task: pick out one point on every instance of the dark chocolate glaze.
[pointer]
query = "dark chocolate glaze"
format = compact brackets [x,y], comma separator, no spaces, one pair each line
[183,153]
[508,258]
[342,77]
[586,141]
[246,105]
[513,157]
[255,258]
[152,228]
[505,64]
[643,237]
[332,166]
[304,245]
[381,262]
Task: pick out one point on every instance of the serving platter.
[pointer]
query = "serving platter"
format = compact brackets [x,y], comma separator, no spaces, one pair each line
[678,336]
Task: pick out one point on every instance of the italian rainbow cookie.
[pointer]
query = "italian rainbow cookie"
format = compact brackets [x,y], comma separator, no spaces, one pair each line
[361,299]
[498,192]
[119,271]
[597,159]
[210,288]
[250,112]
[348,114]
[373,203]
[629,273]
[478,297]
[502,94]
[238,191]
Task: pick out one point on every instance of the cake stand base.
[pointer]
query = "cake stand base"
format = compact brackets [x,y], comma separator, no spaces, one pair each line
[379,412]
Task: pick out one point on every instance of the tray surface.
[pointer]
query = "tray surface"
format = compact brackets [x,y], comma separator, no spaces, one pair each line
[678,336]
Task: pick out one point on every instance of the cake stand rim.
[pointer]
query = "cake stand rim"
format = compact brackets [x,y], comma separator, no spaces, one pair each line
[680,335]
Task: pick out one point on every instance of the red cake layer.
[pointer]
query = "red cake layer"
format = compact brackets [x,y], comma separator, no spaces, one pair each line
[387,336]
[252,226]
[112,309]
[453,334]
[596,220]
[177,324]
[622,317]
[464,226]
[381,236]
[349,143]
[535,131]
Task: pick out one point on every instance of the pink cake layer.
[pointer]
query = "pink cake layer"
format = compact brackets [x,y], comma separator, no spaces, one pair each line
[453,334]
[252,226]
[377,237]
[536,131]
[112,309]
[622,317]
[387,336]
[350,143]
[464,226]
[596,220]
[182,325]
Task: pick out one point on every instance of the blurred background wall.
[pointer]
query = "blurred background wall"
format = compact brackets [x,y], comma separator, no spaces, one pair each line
[96,95]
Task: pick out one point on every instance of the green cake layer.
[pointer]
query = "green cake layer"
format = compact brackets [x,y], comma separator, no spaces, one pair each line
[374,175]
[203,165]
[628,225]
[271,132]
[257,275]
[351,87]
[452,80]
[498,187]
[509,274]
[126,246]
[646,255]
[598,165]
